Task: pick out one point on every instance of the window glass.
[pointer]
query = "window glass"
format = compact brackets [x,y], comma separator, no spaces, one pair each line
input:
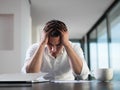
[102,45]
[114,18]
[93,50]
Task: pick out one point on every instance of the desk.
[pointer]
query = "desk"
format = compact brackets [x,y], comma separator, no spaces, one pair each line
[90,85]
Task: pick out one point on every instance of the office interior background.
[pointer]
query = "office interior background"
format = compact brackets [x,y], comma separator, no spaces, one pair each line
[101,44]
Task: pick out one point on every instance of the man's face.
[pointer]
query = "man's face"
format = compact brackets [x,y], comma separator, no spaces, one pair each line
[54,45]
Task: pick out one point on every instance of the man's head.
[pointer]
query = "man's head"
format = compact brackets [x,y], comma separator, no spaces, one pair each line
[55,25]
[54,42]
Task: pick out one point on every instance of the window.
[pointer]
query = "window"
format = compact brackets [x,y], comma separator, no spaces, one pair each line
[102,45]
[93,50]
[114,18]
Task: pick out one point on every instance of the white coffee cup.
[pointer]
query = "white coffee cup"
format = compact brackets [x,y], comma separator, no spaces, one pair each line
[103,74]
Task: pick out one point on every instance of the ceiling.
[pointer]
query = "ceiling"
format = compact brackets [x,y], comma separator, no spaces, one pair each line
[78,15]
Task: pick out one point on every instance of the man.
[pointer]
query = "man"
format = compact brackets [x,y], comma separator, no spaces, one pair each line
[56,55]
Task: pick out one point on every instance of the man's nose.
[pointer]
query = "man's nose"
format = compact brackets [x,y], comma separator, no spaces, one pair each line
[54,49]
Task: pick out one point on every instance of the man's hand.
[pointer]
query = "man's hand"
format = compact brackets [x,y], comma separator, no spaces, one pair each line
[64,37]
[44,37]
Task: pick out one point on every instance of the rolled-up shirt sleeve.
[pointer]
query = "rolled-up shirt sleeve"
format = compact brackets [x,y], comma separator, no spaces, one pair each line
[85,70]
[31,50]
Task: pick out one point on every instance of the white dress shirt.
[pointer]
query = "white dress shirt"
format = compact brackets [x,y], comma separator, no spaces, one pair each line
[58,68]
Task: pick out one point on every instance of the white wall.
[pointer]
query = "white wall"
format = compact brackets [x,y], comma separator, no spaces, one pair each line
[26,28]
[11,61]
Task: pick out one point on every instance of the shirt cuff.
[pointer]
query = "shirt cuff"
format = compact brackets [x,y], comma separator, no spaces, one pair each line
[84,72]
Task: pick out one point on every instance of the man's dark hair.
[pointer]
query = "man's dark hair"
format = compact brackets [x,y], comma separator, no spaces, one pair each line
[55,33]
[55,26]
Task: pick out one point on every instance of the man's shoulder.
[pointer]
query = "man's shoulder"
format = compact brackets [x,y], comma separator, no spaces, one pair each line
[74,44]
[34,46]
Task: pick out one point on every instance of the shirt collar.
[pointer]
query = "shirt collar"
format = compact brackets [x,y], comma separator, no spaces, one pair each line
[48,52]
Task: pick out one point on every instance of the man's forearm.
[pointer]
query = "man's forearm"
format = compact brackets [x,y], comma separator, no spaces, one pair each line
[75,59]
[34,65]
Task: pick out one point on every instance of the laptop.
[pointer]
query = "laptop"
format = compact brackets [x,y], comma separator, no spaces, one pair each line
[22,78]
